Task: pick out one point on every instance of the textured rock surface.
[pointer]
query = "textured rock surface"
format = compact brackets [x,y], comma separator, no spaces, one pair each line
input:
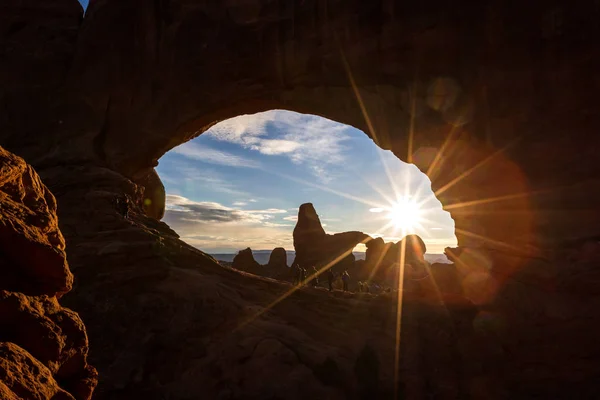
[30,239]
[43,346]
[495,101]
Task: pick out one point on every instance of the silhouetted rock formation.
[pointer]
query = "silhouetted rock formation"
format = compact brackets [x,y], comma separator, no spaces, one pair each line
[278,258]
[43,346]
[381,255]
[244,261]
[316,248]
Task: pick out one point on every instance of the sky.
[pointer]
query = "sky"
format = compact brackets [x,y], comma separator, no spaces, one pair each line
[240,184]
[84,3]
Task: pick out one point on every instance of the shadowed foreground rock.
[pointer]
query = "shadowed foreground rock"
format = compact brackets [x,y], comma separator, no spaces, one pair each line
[43,346]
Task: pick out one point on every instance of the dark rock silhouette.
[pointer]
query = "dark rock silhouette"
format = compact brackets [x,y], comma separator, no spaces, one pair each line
[316,248]
[276,268]
[278,258]
[43,346]
[244,261]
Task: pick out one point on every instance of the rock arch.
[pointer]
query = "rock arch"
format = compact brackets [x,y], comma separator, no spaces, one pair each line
[483,82]
[505,94]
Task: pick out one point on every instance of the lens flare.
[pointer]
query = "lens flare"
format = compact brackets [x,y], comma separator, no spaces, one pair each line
[406,214]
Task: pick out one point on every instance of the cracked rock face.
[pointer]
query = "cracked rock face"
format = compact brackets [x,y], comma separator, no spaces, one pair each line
[43,346]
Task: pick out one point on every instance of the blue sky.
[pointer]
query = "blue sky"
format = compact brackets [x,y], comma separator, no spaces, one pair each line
[240,184]
[84,3]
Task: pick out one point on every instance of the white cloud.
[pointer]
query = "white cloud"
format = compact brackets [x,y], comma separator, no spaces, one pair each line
[437,229]
[240,203]
[304,139]
[212,156]
[293,218]
[376,210]
[180,208]
[211,225]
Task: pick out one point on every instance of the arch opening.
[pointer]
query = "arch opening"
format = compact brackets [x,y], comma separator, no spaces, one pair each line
[241,182]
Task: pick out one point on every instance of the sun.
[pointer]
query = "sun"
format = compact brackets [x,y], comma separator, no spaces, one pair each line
[406,214]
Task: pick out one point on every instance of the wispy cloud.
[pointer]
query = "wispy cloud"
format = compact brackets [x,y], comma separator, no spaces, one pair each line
[211,225]
[304,139]
[376,210]
[213,156]
[240,204]
[195,211]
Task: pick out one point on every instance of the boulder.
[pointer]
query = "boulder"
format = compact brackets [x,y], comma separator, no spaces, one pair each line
[33,248]
[24,377]
[43,346]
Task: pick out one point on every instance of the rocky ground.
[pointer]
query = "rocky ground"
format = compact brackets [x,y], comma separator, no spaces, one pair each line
[166,321]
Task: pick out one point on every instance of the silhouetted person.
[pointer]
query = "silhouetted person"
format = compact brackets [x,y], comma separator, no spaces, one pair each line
[360,287]
[330,278]
[123,205]
[303,276]
[345,279]
[299,275]
[315,279]
[295,271]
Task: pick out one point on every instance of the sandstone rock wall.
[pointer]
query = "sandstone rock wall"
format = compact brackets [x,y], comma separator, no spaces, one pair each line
[43,346]
[493,102]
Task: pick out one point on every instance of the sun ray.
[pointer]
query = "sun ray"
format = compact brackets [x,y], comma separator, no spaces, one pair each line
[498,198]
[474,168]
[400,295]
[438,156]
[377,265]
[498,243]
[326,189]
[372,186]
[365,114]
[296,288]
[411,128]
